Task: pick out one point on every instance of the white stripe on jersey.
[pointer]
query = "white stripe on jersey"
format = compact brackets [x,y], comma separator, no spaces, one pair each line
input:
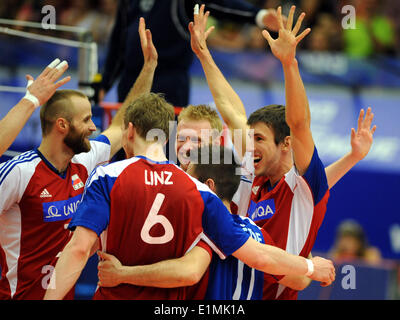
[301,215]
[238,289]
[10,235]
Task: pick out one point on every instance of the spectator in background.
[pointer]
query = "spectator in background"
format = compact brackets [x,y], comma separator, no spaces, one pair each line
[374,32]
[351,244]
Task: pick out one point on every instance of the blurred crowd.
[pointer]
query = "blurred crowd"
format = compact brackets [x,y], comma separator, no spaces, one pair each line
[377,28]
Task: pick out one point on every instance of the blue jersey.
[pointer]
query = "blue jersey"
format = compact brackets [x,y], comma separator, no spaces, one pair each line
[231,279]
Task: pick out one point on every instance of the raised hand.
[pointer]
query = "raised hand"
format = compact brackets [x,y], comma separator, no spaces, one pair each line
[150,54]
[284,48]
[45,84]
[198,32]
[270,20]
[361,140]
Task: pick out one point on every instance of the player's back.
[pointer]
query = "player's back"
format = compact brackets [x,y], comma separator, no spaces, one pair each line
[155,214]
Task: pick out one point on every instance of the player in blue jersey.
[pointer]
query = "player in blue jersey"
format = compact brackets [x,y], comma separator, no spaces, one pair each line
[226,279]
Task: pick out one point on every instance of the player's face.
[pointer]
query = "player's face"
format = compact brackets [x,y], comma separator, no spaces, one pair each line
[81,126]
[266,153]
[192,134]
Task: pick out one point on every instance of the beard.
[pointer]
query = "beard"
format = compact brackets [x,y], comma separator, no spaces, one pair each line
[76,141]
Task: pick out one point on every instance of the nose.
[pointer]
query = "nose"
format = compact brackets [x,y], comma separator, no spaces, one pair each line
[92,126]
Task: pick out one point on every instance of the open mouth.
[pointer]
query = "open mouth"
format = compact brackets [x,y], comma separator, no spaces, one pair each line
[256,160]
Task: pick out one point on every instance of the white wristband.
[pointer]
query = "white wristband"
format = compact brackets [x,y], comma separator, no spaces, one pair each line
[259,18]
[32,98]
[310,266]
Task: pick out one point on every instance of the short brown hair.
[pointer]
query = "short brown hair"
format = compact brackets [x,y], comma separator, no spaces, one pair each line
[201,112]
[274,117]
[221,170]
[59,105]
[149,111]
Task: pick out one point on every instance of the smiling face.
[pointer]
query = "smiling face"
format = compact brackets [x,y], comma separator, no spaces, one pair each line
[266,153]
[192,134]
[81,126]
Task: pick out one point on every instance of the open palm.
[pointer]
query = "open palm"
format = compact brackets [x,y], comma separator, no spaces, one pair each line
[361,140]
[284,48]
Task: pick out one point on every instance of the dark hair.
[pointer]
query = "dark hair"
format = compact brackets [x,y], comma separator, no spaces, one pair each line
[222,170]
[149,111]
[274,117]
[59,105]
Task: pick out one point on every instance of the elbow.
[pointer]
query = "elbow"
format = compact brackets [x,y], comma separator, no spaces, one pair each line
[191,278]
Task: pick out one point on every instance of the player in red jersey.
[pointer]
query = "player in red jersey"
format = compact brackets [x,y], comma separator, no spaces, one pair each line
[232,110]
[42,188]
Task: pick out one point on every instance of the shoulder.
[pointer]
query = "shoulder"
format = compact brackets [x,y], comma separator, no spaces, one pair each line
[25,163]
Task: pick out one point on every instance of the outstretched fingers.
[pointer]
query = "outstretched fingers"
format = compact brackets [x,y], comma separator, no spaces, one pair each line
[289,23]
[302,35]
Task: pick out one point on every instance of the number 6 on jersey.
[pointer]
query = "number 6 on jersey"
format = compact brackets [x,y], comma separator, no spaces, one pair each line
[152,219]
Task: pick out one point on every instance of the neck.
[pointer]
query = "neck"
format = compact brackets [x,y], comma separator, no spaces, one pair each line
[227,204]
[56,152]
[285,164]
[153,151]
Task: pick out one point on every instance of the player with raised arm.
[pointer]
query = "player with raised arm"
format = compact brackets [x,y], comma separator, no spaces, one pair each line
[42,188]
[232,110]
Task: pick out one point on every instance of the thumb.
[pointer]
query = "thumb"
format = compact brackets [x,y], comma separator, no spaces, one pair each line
[104,256]
[353,133]
[267,36]
[30,79]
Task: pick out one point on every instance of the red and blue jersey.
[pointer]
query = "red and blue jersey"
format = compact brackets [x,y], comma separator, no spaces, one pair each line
[36,205]
[291,212]
[231,279]
[145,212]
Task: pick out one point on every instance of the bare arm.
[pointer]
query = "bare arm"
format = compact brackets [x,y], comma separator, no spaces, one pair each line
[71,263]
[297,108]
[142,85]
[361,141]
[273,260]
[42,88]
[296,282]
[180,272]
[226,99]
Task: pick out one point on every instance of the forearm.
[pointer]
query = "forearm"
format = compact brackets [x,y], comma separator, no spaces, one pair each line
[227,101]
[12,124]
[165,274]
[339,168]
[297,108]
[296,282]
[67,271]
[142,85]
[270,259]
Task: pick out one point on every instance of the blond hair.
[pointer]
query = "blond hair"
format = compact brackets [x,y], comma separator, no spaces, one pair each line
[201,112]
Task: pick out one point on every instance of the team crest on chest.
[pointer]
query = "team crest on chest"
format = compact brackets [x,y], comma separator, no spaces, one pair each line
[77,182]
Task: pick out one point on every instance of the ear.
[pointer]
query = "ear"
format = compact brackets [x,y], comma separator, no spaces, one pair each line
[62,125]
[287,143]
[211,184]
[131,131]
